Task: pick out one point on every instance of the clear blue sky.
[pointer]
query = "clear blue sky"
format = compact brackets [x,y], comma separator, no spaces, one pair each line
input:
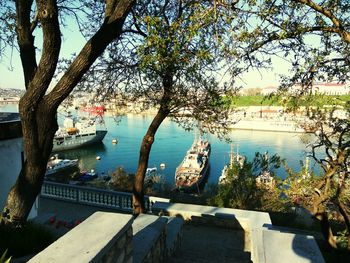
[11,74]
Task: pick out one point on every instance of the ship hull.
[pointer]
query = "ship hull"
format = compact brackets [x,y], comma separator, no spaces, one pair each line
[77,141]
[194,168]
[194,187]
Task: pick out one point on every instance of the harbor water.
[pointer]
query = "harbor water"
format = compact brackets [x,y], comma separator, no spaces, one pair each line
[171,144]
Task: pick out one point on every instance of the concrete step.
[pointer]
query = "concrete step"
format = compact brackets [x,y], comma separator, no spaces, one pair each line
[174,234]
[206,244]
[294,247]
[149,238]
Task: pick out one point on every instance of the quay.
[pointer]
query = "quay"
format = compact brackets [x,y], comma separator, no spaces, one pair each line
[6,101]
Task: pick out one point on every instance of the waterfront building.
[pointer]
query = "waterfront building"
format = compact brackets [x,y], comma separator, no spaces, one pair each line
[331,88]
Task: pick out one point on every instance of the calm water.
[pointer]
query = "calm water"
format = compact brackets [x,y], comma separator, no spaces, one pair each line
[171,144]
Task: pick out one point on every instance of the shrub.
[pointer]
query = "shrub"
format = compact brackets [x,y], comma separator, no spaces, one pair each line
[28,239]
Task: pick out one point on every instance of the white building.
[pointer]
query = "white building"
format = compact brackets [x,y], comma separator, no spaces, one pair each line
[322,88]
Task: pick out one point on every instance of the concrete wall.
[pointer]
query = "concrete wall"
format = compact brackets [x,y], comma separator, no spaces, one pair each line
[10,165]
[103,237]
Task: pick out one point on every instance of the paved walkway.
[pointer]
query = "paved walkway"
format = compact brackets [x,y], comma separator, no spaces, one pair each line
[201,243]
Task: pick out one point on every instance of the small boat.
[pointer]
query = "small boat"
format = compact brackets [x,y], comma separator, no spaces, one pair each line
[56,165]
[194,167]
[265,179]
[150,172]
[114,141]
[87,176]
[98,158]
[162,166]
[234,159]
[94,109]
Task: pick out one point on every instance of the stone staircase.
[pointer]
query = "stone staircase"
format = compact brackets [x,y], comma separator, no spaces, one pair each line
[155,238]
[210,234]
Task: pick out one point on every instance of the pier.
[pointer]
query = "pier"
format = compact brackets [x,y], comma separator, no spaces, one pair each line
[6,101]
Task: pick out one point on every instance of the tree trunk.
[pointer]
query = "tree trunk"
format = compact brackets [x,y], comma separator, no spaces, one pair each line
[344,211]
[38,129]
[145,149]
[326,230]
[38,109]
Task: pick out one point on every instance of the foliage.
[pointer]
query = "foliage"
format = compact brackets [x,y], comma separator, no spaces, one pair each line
[299,186]
[7,26]
[3,258]
[121,180]
[28,239]
[168,46]
[241,190]
[312,36]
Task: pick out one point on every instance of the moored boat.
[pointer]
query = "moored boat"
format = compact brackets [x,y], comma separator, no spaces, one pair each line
[265,179]
[150,172]
[235,159]
[87,176]
[94,109]
[75,134]
[194,167]
[56,165]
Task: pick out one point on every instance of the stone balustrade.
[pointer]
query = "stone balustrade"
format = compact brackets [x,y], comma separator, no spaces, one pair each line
[115,200]
[103,237]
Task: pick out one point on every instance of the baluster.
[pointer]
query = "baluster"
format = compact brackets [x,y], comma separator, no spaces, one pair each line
[96,198]
[147,204]
[129,203]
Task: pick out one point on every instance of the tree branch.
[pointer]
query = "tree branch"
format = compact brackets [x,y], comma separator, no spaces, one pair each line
[25,39]
[336,22]
[109,30]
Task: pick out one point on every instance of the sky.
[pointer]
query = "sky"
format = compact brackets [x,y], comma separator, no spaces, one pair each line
[11,74]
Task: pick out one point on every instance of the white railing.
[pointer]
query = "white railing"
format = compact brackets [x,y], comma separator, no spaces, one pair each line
[121,201]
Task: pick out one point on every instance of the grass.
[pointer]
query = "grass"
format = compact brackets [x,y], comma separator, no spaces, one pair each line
[27,240]
[258,100]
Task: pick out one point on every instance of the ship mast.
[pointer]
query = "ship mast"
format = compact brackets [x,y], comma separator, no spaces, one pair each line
[232,154]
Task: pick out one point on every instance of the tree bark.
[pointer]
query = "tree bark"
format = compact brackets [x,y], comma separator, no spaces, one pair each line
[28,184]
[145,149]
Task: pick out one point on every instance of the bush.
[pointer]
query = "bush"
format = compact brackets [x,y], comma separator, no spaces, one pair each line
[28,239]
[3,258]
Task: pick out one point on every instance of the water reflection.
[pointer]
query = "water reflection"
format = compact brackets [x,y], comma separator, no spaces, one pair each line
[86,155]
